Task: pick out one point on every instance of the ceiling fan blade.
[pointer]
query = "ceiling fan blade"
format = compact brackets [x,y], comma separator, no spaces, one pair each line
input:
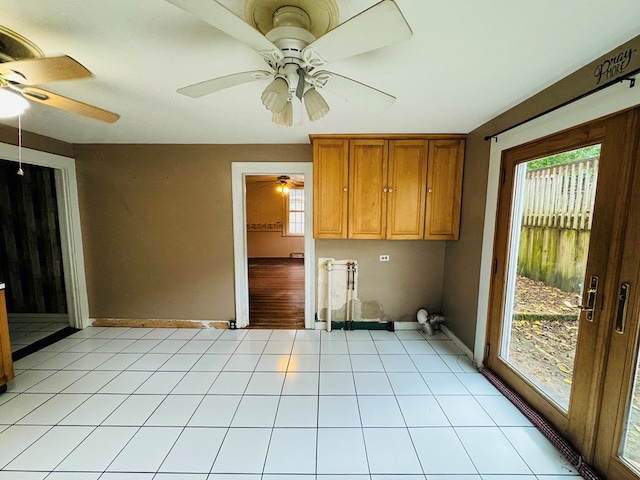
[36,71]
[364,96]
[379,26]
[209,86]
[64,103]
[216,14]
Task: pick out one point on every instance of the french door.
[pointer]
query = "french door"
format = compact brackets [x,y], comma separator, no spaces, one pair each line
[563,316]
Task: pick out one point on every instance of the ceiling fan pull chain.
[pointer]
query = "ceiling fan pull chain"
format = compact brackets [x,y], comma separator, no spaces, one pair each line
[20,171]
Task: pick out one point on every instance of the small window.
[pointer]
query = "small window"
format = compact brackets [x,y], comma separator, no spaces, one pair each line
[294,214]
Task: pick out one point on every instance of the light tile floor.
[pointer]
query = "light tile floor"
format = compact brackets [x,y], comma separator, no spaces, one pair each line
[24,332]
[166,404]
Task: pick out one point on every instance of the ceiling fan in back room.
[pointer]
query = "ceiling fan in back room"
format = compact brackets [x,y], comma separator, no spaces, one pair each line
[297,38]
[283,183]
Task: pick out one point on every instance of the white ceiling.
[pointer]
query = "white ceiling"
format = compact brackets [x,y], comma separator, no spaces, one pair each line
[468,61]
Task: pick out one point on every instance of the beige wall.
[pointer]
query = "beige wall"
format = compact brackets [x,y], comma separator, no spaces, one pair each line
[9,135]
[158,240]
[397,289]
[462,261]
[157,227]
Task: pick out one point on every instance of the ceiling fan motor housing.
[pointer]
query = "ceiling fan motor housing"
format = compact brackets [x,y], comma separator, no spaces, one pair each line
[291,35]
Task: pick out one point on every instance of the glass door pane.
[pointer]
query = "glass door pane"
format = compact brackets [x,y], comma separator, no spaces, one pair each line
[551,222]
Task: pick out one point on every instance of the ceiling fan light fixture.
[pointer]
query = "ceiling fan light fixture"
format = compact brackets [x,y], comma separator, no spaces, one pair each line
[285,117]
[315,105]
[275,96]
[12,104]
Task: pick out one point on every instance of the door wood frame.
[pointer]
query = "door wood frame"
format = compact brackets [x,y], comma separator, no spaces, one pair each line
[605,102]
[70,231]
[622,348]
[577,137]
[239,172]
[613,132]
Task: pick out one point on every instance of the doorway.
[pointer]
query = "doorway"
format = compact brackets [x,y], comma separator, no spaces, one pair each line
[572,195]
[240,172]
[69,223]
[275,207]
[31,256]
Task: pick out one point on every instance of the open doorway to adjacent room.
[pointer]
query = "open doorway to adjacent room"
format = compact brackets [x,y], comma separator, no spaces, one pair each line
[274,262]
[31,257]
[275,250]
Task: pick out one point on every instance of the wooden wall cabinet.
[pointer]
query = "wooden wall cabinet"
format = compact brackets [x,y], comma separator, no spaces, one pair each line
[444,189]
[387,185]
[6,363]
[390,187]
[330,187]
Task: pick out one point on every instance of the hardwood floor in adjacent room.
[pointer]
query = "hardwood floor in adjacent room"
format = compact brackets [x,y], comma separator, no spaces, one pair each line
[276,292]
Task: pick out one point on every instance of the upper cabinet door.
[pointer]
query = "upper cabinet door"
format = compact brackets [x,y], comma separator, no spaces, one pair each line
[330,187]
[444,189]
[407,178]
[367,188]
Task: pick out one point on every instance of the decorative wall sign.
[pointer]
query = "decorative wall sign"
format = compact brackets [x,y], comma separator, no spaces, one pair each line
[615,66]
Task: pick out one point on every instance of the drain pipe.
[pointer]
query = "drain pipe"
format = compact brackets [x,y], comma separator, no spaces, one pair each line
[329,266]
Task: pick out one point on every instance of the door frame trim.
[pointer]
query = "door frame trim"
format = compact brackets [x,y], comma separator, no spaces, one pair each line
[239,171]
[70,230]
[608,101]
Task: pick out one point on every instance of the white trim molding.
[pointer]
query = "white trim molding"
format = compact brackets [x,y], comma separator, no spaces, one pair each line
[239,171]
[70,231]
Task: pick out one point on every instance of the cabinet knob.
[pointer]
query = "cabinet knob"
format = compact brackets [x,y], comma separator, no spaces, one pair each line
[345,189]
[391,190]
[384,189]
[430,190]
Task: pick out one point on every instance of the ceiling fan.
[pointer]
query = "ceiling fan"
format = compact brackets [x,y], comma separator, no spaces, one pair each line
[283,183]
[20,76]
[296,38]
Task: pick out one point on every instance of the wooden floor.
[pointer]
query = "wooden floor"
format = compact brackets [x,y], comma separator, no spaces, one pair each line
[276,293]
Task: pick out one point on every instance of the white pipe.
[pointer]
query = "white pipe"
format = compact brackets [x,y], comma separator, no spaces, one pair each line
[351,280]
[329,265]
[347,317]
[354,275]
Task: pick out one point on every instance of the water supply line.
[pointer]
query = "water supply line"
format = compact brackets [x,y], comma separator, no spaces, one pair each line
[329,266]
[351,286]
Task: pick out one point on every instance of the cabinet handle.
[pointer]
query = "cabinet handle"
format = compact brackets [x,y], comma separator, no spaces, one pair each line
[391,190]
[345,189]
[430,190]
[384,189]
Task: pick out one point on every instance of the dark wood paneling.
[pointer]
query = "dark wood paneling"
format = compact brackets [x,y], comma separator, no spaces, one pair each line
[30,251]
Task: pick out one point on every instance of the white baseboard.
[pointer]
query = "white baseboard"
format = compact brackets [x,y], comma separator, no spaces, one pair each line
[458,343]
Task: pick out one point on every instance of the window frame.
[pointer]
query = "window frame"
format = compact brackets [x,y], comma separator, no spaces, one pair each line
[286,231]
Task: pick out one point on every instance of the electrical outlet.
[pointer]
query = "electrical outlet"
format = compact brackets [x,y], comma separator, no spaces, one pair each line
[384,258]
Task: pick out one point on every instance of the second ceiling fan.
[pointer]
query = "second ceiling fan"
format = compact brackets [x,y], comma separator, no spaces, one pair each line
[296,44]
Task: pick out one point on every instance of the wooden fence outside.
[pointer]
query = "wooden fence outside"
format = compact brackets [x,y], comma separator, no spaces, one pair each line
[561,196]
[556,223]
